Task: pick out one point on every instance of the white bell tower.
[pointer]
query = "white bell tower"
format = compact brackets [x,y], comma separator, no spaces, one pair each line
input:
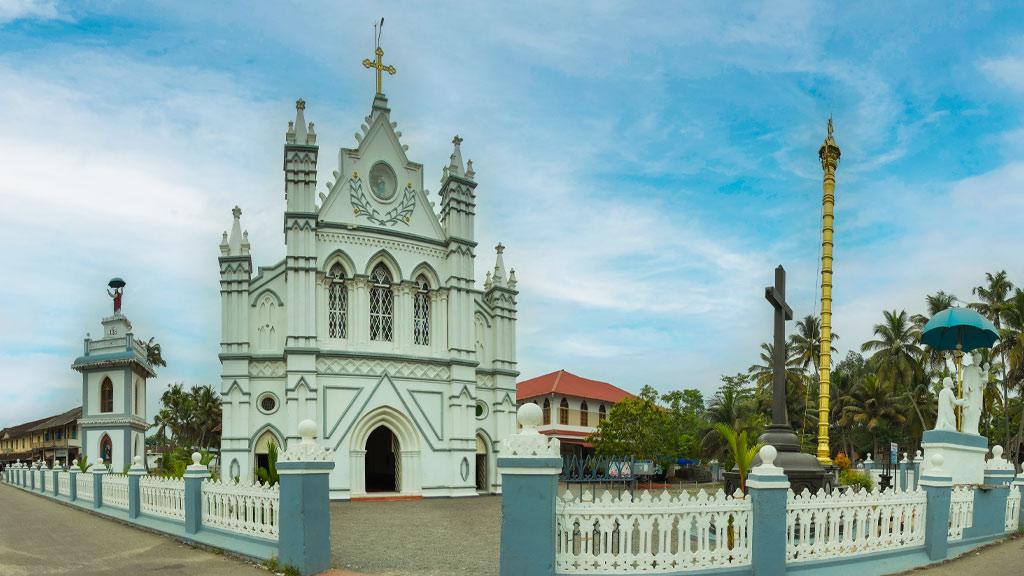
[114,371]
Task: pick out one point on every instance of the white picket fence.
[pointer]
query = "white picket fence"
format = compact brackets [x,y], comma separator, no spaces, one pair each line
[250,509]
[1013,509]
[64,483]
[83,486]
[830,525]
[163,497]
[115,491]
[662,533]
[961,511]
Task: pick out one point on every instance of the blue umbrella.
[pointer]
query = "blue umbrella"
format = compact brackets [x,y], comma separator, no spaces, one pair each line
[959,328]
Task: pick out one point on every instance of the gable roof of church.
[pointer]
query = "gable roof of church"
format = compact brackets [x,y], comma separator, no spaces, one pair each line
[569,384]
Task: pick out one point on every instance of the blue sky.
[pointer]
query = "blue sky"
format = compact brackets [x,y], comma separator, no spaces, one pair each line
[646,167]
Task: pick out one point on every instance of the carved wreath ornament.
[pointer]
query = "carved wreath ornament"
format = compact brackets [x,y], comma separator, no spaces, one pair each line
[361,205]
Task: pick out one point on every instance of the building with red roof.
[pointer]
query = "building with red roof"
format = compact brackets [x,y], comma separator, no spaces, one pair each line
[573,406]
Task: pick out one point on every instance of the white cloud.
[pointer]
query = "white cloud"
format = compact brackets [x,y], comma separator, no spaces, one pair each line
[11,10]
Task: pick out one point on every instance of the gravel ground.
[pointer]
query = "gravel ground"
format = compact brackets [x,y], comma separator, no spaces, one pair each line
[40,537]
[430,537]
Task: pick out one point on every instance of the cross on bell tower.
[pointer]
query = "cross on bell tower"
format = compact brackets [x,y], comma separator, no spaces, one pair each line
[379,65]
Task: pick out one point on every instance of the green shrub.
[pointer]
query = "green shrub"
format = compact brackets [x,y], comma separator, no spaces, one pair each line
[855,478]
[268,475]
[83,463]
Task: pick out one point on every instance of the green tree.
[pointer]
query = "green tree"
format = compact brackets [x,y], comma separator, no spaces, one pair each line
[896,352]
[1011,346]
[269,475]
[742,453]
[190,416]
[805,344]
[635,427]
[685,418]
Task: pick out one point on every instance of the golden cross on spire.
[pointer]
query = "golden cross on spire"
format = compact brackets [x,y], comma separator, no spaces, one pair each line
[378,64]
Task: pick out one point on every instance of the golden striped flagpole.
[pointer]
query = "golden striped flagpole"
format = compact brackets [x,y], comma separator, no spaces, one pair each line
[829,155]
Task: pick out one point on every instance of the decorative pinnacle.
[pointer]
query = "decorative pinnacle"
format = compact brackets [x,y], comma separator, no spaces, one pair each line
[500,248]
[457,140]
[300,104]
[829,152]
[236,212]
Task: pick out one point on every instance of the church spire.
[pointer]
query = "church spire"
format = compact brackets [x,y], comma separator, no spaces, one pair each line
[298,131]
[455,160]
[235,242]
[499,266]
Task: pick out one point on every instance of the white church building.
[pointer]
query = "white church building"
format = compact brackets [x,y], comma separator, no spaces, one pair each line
[372,325]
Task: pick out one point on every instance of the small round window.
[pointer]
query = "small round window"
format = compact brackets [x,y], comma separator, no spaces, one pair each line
[268,403]
[481,410]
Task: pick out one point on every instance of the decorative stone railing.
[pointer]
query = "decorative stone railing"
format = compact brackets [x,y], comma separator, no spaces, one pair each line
[83,486]
[162,497]
[64,483]
[961,511]
[831,525]
[1013,509]
[245,509]
[115,491]
[651,534]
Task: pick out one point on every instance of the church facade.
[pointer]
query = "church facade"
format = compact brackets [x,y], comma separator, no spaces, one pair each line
[372,325]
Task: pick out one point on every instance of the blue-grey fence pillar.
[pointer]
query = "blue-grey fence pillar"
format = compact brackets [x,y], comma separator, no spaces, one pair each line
[136,472]
[529,468]
[32,476]
[56,477]
[194,476]
[768,490]
[73,481]
[304,531]
[97,470]
[904,471]
[998,470]
[937,484]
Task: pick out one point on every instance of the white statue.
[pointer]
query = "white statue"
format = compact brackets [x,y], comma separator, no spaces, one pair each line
[946,419]
[974,388]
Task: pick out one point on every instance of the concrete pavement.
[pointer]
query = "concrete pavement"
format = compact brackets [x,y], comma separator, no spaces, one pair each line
[1003,559]
[40,537]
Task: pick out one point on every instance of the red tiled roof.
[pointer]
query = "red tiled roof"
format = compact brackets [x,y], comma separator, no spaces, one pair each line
[569,384]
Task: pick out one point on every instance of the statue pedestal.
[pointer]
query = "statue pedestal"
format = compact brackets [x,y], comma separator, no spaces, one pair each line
[802,469]
[964,454]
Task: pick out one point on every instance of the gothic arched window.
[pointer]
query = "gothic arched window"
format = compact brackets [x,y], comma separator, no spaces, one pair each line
[547,411]
[563,412]
[107,396]
[106,449]
[601,414]
[421,313]
[382,305]
[337,303]
[584,415]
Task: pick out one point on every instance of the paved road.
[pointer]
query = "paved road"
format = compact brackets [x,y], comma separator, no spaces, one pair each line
[431,537]
[39,537]
[1003,559]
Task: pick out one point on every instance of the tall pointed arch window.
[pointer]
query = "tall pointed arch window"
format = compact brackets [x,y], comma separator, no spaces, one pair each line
[563,412]
[107,396]
[421,313]
[382,305]
[584,414]
[337,303]
[601,414]
[547,411]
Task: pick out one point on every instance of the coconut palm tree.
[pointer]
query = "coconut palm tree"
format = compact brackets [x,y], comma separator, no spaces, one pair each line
[731,406]
[805,344]
[992,302]
[1011,346]
[872,404]
[898,352]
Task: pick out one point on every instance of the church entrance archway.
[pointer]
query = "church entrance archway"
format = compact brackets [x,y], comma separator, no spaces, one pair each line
[482,473]
[383,461]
